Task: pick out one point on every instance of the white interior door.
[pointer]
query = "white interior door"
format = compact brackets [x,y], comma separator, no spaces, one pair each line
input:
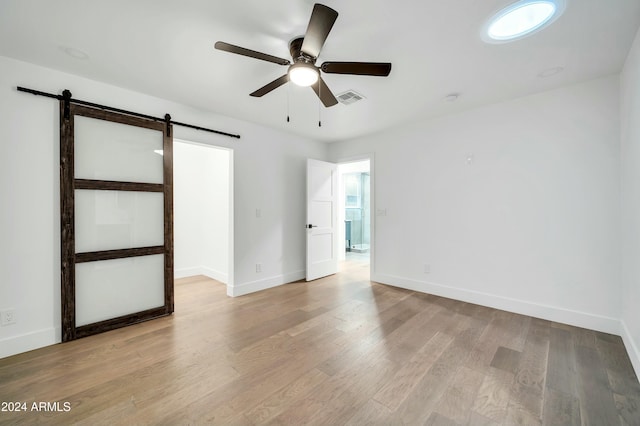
[322,198]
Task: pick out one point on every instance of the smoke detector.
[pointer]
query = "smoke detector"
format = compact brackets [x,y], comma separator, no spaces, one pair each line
[349,97]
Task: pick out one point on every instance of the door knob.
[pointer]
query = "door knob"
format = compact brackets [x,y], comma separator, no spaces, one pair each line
[311,226]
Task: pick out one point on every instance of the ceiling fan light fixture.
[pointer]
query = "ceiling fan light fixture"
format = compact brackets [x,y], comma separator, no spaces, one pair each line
[521,19]
[305,51]
[303,74]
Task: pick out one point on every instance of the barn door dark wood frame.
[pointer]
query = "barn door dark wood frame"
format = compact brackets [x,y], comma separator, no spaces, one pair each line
[68,185]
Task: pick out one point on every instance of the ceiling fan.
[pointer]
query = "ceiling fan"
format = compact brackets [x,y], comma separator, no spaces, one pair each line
[304,52]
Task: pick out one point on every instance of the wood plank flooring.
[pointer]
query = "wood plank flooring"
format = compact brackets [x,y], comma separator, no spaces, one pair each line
[340,350]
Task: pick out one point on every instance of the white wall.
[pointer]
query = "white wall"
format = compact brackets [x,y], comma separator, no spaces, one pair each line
[269,169]
[630,125]
[530,226]
[201,210]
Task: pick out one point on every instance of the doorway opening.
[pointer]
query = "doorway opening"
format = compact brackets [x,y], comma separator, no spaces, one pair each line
[203,211]
[354,213]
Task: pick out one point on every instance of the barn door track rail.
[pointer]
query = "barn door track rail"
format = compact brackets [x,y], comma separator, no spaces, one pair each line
[67,97]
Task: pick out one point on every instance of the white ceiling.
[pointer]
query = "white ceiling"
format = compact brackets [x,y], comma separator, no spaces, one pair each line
[165,48]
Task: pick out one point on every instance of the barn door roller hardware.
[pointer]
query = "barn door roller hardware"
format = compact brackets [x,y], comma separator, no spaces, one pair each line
[67,98]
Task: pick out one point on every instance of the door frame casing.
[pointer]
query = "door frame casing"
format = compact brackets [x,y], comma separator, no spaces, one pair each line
[230,231]
[372,207]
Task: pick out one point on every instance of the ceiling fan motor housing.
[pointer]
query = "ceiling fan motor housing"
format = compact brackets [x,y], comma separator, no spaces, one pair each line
[295,48]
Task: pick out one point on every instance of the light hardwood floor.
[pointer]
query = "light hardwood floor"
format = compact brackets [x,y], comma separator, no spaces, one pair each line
[340,350]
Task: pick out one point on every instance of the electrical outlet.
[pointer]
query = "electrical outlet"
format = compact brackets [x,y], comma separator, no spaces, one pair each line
[258,213]
[8,317]
[427,268]
[258,267]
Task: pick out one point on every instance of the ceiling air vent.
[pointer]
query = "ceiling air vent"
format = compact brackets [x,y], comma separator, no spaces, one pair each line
[349,97]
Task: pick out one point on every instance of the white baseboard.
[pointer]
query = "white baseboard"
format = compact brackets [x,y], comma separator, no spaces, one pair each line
[30,341]
[631,347]
[216,275]
[187,272]
[547,312]
[263,284]
[201,270]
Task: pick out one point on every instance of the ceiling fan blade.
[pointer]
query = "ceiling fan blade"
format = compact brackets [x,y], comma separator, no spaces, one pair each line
[221,45]
[324,93]
[321,22]
[270,86]
[381,69]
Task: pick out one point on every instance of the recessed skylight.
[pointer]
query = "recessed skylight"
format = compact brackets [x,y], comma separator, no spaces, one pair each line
[521,19]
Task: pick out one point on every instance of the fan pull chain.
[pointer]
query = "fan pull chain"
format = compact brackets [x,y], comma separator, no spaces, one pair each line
[319,103]
[288,96]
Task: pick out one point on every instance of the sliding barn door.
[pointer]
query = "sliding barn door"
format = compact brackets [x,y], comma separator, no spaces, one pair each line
[116,220]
